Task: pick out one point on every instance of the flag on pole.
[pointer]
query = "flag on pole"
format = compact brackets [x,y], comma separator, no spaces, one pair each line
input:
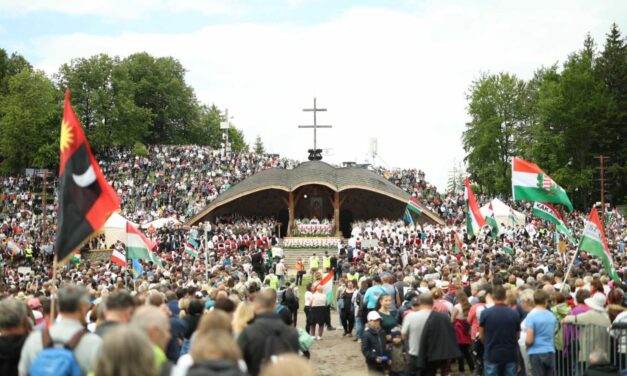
[491,221]
[594,242]
[530,183]
[191,247]
[138,246]
[407,216]
[458,245]
[118,258]
[414,206]
[14,248]
[326,283]
[507,247]
[513,217]
[76,257]
[550,214]
[474,219]
[137,270]
[85,198]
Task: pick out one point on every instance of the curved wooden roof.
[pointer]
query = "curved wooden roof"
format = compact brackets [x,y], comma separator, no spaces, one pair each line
[311,173]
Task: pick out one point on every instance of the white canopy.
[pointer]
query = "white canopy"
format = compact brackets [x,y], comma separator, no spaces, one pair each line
[504,214]
[115,229]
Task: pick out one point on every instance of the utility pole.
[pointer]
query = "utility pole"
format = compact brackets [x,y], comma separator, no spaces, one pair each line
[601,168]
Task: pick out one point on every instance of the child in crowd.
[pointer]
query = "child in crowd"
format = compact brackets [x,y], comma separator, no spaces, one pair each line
[373,345]
[398,353]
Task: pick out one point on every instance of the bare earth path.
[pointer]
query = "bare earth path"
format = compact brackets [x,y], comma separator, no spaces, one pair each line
[335,355]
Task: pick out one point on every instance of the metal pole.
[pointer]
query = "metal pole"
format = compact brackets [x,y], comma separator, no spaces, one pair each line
[43,211]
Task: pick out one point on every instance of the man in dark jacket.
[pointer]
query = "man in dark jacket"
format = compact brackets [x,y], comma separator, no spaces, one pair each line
[267,335]
[373,344]
[438,344]
[14,328]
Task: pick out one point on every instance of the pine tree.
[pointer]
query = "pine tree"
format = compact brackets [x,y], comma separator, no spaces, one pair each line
[259,148]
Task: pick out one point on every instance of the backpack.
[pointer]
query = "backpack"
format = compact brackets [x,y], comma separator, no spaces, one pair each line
[275,345]
[289,298]
[55,361]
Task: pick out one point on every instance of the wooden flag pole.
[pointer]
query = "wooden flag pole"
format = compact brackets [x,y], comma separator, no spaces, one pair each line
[570,267]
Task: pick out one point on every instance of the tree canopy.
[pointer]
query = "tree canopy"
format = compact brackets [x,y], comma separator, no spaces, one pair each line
[140,99]
[560,119]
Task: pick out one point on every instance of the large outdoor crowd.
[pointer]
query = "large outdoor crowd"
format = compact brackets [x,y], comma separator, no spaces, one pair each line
[414,305]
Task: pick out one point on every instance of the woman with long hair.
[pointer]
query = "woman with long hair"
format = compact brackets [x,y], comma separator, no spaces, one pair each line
[243,314]
[388,316]
[462,330]
[347,312]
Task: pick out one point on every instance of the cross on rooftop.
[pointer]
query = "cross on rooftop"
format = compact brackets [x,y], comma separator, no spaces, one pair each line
[315,125]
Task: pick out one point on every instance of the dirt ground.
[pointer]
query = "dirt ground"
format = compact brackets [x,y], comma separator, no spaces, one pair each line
[335,355]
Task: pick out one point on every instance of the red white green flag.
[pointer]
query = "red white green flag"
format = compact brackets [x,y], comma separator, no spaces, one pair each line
[594,242]
[550,214]
[530,183]
[491,221]
[458,245]
[138,246]
[474,219]
[118,258]
[414,205]
[507,247]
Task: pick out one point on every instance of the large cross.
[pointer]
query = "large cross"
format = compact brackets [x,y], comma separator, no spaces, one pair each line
[315,125]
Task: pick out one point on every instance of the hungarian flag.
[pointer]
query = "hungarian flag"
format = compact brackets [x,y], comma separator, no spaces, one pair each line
[138,246]
[474,219]
[118,257]
[530,183]
[414,205]
[491,221]
[594,242]
[191,248]
[76,257]
[85,198]
[550,214]
[327,285]
[507,247]
[458,245]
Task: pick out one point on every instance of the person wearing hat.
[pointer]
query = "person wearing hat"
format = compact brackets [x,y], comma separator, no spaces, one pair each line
[373,345]
[594,323]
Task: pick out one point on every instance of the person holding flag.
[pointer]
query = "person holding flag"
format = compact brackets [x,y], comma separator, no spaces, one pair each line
[474,219]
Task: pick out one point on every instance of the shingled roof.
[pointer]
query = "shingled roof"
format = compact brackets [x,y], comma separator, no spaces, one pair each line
[335,178]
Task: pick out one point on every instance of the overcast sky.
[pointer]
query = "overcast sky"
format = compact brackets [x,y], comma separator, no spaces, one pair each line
[397,71]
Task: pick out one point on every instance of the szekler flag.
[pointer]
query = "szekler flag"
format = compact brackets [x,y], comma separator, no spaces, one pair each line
[138,246]
[414,206]
[594,242]
[474,219]
[491,221]
[407,216]
[85,198]
[137,270]
[118,258]
[530,183]
[191,247]
[550,214]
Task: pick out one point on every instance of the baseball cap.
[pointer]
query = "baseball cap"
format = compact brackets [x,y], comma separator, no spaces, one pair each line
[373,316]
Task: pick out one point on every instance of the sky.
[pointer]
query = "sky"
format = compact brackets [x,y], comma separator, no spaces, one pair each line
[394,71]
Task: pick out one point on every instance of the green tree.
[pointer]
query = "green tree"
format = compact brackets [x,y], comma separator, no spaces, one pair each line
[259,148]
[30,121]
[160,87]
[611,69]
[102,96]
[498,111]
[236,139]
[10,66]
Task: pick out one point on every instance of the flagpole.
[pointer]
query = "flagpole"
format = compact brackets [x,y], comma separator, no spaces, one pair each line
[53,295]
[572,262]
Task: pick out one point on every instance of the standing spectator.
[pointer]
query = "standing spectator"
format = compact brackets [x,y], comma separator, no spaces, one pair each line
[215,353]
[499,331]
[155,324]
[73,307]
[300,271]
[413,324]
[540,331]
[124,353]
[14,329]
[281,271]
[462,329]
[347,309]
[318,312]
[118,309]
[267,335]
[373,345]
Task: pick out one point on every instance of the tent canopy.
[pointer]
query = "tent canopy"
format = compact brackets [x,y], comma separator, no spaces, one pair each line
[504,214]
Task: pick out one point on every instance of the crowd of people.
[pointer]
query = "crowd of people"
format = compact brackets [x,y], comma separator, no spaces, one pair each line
[414,302]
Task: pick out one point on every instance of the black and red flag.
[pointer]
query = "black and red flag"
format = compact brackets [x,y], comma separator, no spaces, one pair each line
[85,198]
